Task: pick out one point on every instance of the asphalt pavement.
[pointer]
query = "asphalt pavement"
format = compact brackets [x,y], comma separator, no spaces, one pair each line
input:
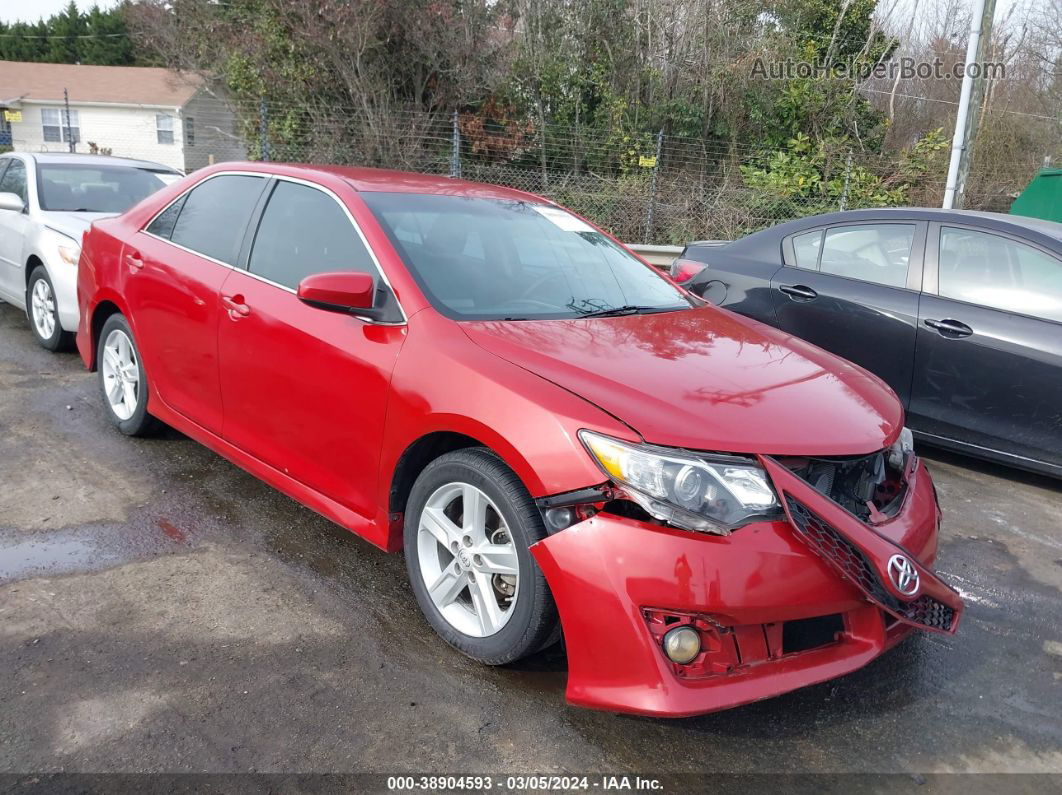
[162,610]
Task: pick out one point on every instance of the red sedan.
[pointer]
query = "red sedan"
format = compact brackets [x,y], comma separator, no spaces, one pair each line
[560,439]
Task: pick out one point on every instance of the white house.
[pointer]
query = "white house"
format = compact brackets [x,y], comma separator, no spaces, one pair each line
[130,111]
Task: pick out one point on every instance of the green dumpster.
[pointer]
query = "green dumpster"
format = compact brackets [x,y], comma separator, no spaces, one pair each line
[1042,198]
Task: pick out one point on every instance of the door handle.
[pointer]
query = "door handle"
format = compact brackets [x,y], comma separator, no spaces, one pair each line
[798,292]
[133,260]
[237,308]
[952,329]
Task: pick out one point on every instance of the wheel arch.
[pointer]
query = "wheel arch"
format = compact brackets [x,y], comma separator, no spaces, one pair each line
[100,312]
[456,433]
[32,261]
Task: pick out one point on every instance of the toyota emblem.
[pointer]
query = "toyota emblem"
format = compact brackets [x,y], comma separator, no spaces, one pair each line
[904,575]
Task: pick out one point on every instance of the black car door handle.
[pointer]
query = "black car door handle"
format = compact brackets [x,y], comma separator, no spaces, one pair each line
[798,292]
[949,328]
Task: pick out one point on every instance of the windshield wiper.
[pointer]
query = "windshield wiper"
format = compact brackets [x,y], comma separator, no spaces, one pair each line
[628,309]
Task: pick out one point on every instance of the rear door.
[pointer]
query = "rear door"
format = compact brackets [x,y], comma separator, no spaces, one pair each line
[305,389]
[173,272]
[988,362]
[853,290]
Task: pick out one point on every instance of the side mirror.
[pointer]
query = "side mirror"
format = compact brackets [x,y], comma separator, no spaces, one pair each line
[12,201]
[341,291]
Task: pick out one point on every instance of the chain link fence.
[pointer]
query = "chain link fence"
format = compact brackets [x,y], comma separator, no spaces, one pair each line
[644,188]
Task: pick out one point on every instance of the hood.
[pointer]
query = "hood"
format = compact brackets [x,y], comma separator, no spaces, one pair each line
[71,224]
[706,379]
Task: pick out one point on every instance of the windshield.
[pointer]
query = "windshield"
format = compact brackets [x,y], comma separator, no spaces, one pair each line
[492,259]
[97,189]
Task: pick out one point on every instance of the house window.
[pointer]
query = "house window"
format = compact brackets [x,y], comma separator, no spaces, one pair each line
[58,127]
[189,131]
[164,128]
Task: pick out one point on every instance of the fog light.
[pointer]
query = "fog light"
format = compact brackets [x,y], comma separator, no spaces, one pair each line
[560,518]
[682,645]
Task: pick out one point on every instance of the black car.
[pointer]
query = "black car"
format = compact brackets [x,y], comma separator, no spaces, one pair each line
[960,312]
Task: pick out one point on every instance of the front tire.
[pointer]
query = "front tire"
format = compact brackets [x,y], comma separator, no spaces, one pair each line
[42,309]
[123,382]
[468,525]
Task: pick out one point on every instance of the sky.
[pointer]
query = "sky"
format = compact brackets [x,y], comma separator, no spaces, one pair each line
[32,10]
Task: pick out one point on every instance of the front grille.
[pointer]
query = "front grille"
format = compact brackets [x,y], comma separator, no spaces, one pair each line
[928,612]
[854,566]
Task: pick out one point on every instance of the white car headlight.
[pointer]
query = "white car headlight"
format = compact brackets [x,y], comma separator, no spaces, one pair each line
[709,493]
[65,248]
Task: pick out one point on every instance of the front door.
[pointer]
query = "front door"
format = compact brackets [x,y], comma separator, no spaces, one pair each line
[14,228]
[305,389]
[174,270]
[853,290]
[988,362]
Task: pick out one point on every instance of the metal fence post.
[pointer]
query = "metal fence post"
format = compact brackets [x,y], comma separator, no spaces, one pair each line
[263,129]
[847,178]
[455,149]
[651,207]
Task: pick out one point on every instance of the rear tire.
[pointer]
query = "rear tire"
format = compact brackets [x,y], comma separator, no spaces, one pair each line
[42,310]
[123,382]
[475,580]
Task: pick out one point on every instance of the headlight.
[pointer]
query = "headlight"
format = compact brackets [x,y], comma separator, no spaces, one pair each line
[66,248]
[901,448]
[710,493]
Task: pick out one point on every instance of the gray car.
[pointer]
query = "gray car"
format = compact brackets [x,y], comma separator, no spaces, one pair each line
[47,201]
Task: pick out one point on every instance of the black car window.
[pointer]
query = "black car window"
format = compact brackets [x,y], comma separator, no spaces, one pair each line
[806,249]
[14,180]
[305,231]
[167,219]
[877,253]
[996,272]
[214,215]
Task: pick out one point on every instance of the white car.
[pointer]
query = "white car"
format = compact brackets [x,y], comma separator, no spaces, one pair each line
[47,201]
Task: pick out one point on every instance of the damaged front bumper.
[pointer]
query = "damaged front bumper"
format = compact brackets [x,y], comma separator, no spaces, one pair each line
[761,598]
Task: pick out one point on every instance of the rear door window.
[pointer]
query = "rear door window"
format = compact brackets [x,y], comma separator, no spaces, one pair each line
[999,273]
[304,231]
[876,253]
[806,248]
[215,214]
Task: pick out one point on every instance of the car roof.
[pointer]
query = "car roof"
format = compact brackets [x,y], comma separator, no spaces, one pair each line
[69,158]
[1049,228]
[384,180]
[764,243]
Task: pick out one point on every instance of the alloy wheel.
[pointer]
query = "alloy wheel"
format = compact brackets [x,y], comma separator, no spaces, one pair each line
[42,308]
[121,374]
[468,560]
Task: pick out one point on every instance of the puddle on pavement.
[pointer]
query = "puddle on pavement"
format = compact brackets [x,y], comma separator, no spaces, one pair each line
[37,556]
[87,548]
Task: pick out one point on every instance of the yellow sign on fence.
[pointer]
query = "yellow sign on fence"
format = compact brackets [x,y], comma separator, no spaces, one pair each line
[646,162]
[12,115]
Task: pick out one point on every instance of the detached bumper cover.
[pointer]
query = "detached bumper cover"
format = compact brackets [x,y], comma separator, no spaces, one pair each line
[609,573]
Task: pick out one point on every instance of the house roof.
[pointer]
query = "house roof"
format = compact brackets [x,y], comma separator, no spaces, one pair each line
[120,85]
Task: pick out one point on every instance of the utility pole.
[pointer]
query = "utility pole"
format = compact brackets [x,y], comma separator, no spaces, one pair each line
[970,97]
